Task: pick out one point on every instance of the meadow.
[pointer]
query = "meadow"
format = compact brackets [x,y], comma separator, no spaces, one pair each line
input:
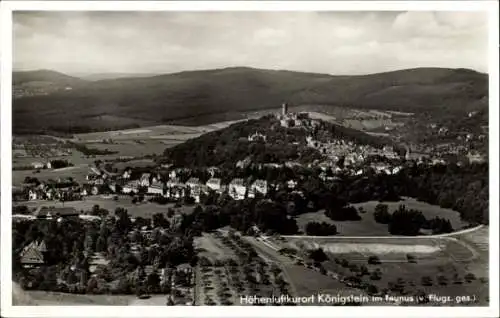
[367,225]
[145,209]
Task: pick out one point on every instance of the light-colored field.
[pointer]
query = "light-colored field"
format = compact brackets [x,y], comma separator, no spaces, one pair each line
[133,149]
[370,248]
[78,173]
[367,225]
[160,131]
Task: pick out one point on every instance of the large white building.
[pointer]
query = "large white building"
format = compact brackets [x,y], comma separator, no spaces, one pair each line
[215,184]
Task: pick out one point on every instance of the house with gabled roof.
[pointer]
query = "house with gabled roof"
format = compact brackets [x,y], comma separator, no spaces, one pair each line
[34,254]
[46,212]
[156,188]
[174,182]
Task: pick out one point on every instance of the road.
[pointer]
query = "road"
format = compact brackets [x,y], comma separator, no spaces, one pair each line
[389,236]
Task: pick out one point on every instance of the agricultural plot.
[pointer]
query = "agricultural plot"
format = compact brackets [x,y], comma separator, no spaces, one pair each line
[224,280]
[213,249]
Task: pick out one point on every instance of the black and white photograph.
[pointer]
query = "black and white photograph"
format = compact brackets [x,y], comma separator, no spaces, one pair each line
[232,157]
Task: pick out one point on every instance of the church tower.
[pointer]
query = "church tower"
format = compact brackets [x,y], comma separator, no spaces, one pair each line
[408,154]
[284,109]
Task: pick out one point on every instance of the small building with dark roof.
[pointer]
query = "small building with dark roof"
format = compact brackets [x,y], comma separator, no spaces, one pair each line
[52,212]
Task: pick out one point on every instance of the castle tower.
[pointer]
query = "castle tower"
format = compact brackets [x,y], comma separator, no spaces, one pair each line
[284,109]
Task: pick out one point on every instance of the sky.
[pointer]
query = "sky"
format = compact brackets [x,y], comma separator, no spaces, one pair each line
[339,43]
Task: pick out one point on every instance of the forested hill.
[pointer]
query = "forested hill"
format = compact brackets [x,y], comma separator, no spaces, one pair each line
[201,94]
[227,146]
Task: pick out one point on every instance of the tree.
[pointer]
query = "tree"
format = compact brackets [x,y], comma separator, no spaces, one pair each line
[469,277]
[373,260]
[376,275]
[411,258]
[153,282]
[170,212]
[320,229]
[371,289]
[442,280]
[406,222]
[159,220]
[318,255]
[381,214]
[92,285]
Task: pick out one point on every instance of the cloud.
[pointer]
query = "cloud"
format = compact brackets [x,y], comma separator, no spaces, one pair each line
[326,42]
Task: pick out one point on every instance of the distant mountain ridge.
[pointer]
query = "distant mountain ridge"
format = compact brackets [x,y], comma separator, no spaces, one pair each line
[23,77]
[116,103]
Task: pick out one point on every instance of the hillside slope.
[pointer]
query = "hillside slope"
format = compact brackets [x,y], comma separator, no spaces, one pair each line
[227,146]
[171,97]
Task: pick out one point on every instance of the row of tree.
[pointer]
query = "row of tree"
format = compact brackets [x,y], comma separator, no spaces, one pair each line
[409,222]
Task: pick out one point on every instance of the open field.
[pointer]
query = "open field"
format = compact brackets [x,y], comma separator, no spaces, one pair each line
[367,225]
[145,210]
[172,132]
[77,172]
[42,298]
[212,248]
[393,248]
[137,148]
[479,238]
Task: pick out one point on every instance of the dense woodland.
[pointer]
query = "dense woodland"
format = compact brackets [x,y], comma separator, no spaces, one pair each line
[71,243]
